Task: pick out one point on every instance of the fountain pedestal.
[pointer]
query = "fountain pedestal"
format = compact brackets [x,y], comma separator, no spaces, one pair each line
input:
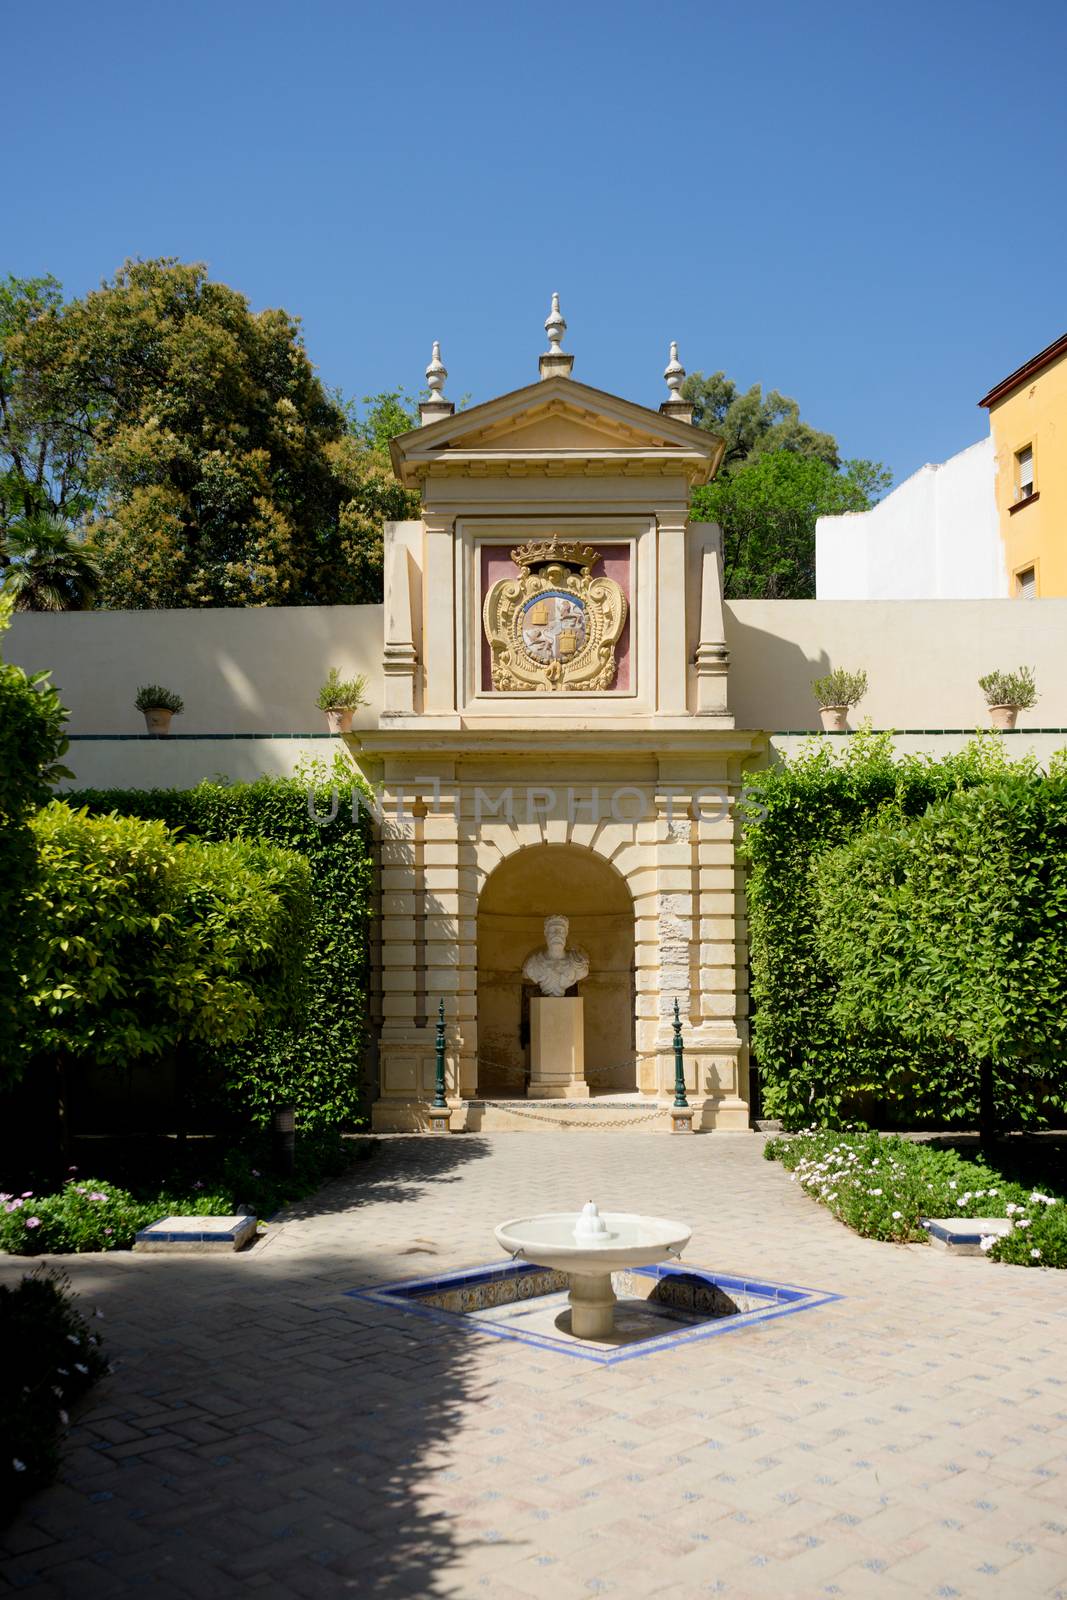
[557,1049]
[592,1301]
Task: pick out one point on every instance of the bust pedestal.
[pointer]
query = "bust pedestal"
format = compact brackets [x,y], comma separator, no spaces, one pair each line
[557,1049]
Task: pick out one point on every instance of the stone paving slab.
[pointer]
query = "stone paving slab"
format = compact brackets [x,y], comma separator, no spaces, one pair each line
[265,1434]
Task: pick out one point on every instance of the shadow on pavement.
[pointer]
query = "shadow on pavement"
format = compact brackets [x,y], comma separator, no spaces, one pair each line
[261,1432]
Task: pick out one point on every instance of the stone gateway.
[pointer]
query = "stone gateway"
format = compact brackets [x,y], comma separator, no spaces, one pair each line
[557,743]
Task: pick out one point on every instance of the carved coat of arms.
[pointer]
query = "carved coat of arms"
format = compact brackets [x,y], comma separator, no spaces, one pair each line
[555,626]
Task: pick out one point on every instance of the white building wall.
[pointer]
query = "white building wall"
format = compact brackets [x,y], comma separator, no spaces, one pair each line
[936,537]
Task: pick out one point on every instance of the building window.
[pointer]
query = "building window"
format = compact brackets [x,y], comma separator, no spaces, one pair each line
[1026,584]
[1024,473]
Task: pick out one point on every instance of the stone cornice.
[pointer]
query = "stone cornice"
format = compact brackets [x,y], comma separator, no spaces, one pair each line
[560,464]
[691,736]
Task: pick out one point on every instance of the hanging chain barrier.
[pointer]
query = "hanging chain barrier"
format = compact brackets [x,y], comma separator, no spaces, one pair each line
[521,1108]
[518,1108]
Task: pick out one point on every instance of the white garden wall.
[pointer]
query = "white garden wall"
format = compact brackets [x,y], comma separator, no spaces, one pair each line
[249,678]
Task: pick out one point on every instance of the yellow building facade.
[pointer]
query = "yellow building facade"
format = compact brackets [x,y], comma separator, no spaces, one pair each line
[1028,421]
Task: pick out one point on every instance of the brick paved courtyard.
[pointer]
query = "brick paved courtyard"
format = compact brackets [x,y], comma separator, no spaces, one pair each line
[265,1434]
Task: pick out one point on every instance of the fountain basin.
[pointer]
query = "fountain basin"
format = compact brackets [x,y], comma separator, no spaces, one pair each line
[564,1241]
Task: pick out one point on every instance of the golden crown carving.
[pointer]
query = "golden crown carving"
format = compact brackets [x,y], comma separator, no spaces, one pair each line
[569,553]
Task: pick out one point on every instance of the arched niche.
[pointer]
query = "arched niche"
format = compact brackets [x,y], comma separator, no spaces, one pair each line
[518,895]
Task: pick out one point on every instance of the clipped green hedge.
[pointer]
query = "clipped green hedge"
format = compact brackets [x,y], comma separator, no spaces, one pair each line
[31,742]
[317,1065]
[813,1066]
[147,940]
[950,931]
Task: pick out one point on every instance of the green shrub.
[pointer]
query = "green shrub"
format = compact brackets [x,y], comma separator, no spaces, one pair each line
[315,1064]
[153,697]
[883,1186]
[89,1215]
[812,1065]
[149,940]
[49,1358]
[950,930]
[1039,1237]
[31,742]
[92,1214]
[1010,688]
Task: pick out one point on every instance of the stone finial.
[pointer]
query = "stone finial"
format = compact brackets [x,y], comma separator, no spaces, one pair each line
[555,327]
[674,372]
[675,406]
[437,372]
[436,407]
[556,362]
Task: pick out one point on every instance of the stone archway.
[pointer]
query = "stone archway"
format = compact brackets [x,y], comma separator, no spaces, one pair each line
[519,893]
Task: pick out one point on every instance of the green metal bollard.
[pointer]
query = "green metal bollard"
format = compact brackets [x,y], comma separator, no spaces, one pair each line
[440,1110]
[681,1115]
[679,1068]
[439,1101]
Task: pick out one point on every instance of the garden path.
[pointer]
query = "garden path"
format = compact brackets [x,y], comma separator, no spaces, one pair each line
[263,1434]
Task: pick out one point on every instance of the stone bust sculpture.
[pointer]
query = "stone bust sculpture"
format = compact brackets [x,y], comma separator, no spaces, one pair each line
[555,968]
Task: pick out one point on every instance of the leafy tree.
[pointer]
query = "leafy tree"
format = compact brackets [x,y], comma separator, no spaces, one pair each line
[754,425]
[45,567]
[194,442]
[370,493]
[31,743]
[207,431]
[767,511]
[46,429]
[778,474]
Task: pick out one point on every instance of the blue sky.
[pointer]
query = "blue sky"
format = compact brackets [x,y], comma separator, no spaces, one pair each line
[862,205]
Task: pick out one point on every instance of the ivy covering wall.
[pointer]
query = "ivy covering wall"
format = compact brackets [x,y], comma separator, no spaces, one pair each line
[813,1064]
[317,1065]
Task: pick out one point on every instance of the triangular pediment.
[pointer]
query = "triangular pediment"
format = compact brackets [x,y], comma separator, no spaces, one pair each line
[554,419]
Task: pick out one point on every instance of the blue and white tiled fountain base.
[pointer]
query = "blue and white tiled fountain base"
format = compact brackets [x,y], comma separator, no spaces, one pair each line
[658,1308]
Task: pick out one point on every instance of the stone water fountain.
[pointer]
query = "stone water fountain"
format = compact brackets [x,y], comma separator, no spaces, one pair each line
[589,1247]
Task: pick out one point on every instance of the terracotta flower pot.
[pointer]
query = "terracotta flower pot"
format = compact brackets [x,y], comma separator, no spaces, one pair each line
[1003,716]
[157,720]
[339,719]
[833,718]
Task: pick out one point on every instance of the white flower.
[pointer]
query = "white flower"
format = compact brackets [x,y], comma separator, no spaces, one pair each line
[987,1241]
[874,1191]
[1022,1222]
[897,1215]
[962,1201]
[1035,1255]
[952,1183]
